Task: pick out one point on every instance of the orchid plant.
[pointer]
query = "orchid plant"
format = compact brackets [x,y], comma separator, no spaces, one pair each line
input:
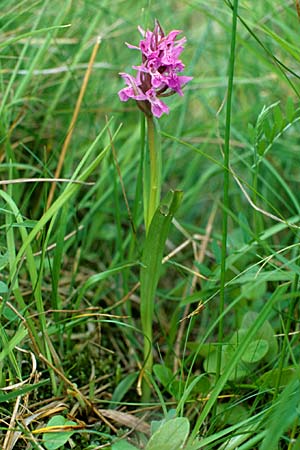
[156,78]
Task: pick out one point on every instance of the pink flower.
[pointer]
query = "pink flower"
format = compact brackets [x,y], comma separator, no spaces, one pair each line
[157,76]
[133,90]
[157,106]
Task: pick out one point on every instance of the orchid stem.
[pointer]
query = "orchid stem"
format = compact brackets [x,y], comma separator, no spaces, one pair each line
[152,192]
[154,189]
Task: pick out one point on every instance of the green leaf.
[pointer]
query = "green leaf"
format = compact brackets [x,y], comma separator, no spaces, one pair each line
[9,314]
[231,413]
[265,332]
[210,363]
[193,445]
[156,424]
[256,351]
[261,147]
[290,109]
[254,290]
[26,224]
[123,445]
[15,340]
[3,260]
[152,261]
[164,374]
[287,375]
[171,435]
[123,387]
[278,118]
[3,288]
[54,440]
[267,130]
[167,379]
[11,395]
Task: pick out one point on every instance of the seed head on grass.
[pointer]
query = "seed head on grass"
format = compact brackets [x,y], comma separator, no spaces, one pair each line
[157,76]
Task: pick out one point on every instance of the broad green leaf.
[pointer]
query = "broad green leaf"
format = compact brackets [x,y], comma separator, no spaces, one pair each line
[156,424]
[197,384]
[267,129]
[261,147]
[56,439]
[123,387]
[123,445]
[193,445]
[269,379]
[3,260]
[9,314]
[254,290]
[228,351]
[3,288]
[265,332]
[14,341]
[170,383]
[290,109]
[256,351]
[152,261]
[164,374]
[171,435]
[278,118]
[231,413]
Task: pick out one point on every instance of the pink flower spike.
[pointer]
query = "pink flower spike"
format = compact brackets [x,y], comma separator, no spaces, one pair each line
[157,75]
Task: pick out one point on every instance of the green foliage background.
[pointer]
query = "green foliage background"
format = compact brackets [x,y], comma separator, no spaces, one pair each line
[69,275]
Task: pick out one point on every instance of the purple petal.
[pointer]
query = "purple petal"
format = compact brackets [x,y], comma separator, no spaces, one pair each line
[172,35]
[133,90]
[157,106]
[183,79]
[132,46]
[175,82]
[124,94]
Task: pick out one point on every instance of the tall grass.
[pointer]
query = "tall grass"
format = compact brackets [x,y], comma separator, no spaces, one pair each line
[225,324]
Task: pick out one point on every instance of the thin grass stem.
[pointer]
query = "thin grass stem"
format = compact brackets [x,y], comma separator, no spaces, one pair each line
[226,172]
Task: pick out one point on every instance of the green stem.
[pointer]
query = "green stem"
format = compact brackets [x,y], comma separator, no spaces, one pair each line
[154,189]
[152,192]
[226,187]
